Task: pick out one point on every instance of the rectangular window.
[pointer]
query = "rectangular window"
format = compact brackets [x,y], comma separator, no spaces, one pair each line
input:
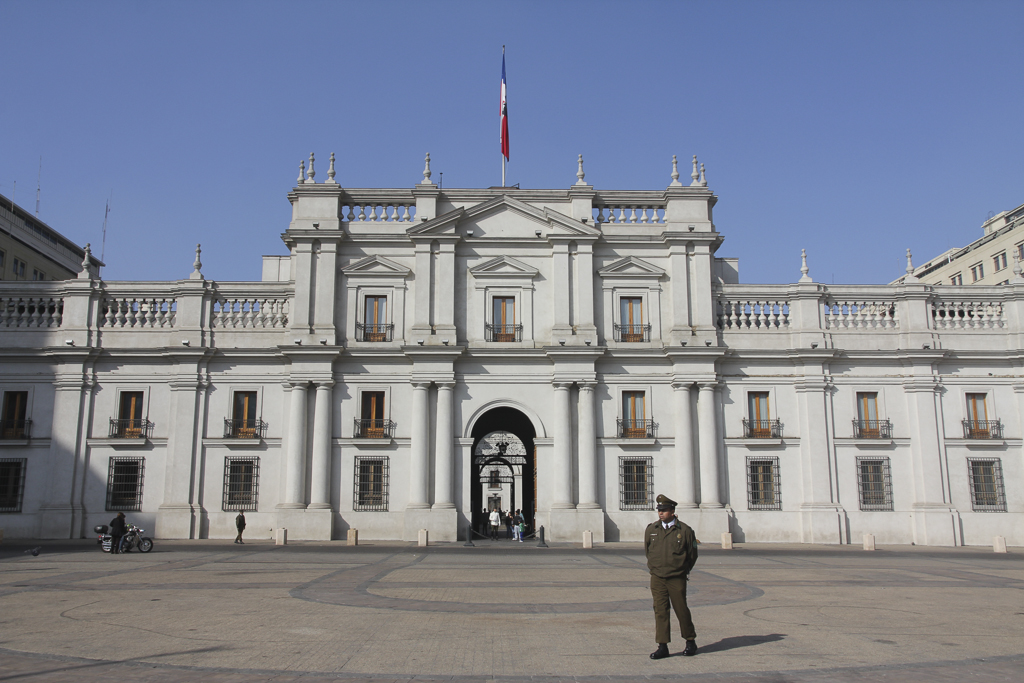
[14,424]
[371,484]
[978,425]
[634,422]
[1000,261]
[868,424]
[977,271]
[372,422]
[1020,252]
[124,483]
[18,267]
[504,319]
[129,423]
[494,479]
[631,319]
[874,483]
[763,484]
[636,484]
[3,258]
[759,423]
[986,478]
[375,319]
[957,279]
[12,483]
[243,415]
[241,483]
[38,274]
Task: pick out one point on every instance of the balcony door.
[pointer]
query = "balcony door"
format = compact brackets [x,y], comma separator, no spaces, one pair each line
[632,319]
[977,414]
[634,417]
[130,414]
[760,417]
[15,403]
[244,415]
[867,413]
[375,318]
[373,414]
[504,319]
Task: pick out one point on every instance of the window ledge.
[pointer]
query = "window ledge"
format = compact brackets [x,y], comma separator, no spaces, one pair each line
[127,444]
[14,442]
[978,443]
[866,443]
[754,443]
[368,442]
[618,441]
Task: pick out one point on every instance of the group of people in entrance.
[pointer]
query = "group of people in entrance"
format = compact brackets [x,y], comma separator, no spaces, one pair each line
[514,522]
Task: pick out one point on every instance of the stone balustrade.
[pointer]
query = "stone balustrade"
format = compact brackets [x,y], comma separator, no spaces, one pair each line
[31,311]
[249,312]
[845,314]
[137,312]
[966,312]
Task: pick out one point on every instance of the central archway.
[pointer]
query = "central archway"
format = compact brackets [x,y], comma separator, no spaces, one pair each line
[503,454]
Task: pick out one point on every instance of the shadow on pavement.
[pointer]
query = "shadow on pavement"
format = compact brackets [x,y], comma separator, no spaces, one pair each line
[740,641]
[78,664]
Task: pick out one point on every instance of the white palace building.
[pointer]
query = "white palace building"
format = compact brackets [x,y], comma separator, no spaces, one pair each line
[422,354]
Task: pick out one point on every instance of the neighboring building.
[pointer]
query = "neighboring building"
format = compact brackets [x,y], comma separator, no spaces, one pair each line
[986,261]
[32,250]
[423,354]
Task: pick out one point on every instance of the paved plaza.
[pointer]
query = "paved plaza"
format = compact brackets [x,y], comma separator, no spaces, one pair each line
[214,611]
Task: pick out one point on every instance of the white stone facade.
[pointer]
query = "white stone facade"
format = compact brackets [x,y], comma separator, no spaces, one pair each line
[776,412]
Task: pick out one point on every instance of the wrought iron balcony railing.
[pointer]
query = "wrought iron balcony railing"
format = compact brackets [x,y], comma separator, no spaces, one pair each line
[983,429]
[872,429]
[374,429]
[762,429]
[130,429]
[632,333]
[244,429]
[15,429]
[637,429]
[503,333]
[374,332]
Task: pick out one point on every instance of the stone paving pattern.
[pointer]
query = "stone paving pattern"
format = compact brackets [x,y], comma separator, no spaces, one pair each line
[214,611]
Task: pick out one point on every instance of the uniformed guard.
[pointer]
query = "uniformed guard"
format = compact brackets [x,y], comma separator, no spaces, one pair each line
[671,553]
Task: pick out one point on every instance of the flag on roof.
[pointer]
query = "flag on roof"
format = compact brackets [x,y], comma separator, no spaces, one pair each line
[504,109]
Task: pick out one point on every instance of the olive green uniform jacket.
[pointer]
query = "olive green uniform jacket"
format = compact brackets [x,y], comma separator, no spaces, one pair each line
[671,552]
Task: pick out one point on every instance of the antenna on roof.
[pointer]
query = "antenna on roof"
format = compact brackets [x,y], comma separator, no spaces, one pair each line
[39,184]
[103,244]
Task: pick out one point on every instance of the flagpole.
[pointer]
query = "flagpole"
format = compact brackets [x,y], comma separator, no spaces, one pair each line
[503,84]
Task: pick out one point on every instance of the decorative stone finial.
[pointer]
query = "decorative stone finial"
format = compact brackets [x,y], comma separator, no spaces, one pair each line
[426,169]
[302,173]
[703,180]
[197,265]
[696,174]
[86,273]
[910,277]
[579,173]
[675,173]
[804,270]
[312,172]
[330,172]
[1017,277]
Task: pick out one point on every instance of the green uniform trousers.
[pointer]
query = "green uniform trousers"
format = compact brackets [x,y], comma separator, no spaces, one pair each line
[672,591]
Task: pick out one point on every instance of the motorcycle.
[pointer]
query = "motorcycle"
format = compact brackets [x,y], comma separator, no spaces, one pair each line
[133,538]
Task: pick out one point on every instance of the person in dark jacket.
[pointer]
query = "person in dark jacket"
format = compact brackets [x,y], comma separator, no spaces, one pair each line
[671,548]
[240,525]
[118,528]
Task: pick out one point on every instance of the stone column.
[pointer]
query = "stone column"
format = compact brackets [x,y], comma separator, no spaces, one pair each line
[562,431]
[55,515]
[588,448]
[295,453]
[320,491]
[419,449]
[444,457]
[686,484]
[708,438]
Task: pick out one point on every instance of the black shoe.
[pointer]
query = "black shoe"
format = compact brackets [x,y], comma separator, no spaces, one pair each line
[661,652]
[691,648]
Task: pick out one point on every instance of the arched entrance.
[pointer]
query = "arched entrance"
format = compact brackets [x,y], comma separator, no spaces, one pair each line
[504,465]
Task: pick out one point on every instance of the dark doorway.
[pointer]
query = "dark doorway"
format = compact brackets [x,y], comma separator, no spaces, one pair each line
[503,456]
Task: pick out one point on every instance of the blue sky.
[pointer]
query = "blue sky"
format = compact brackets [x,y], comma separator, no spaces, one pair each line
[852,129]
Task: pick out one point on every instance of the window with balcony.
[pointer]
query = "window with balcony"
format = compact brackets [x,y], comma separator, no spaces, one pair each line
[241,484]
[977,272]
[129,423]
[503,327]
[371,484]
[999,260]
[759,423]
[957,279]
[868,425]
[494,479]
[763,484]
[636,485]
[634,423]
[986,480]
[375,326]
[12,483]
[14,425]
[124,484]
[631,327]
[978,425]
[874,484]
[244,424]
[372,424]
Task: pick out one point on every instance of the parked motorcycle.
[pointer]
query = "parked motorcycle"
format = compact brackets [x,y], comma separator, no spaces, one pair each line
[133,538]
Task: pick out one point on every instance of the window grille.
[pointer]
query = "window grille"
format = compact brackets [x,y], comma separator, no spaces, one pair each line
[375,332]
[762,429]
[371,484]
[872,429]
[763,484]
[631,333]
[12,483]
[241,483]
[636,485]
[874,483]
[124,483]
[986,477]
[503,333]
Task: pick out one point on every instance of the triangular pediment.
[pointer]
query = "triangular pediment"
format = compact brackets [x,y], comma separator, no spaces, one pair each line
[631,266]
[503,266]
[375,265]
[505,217]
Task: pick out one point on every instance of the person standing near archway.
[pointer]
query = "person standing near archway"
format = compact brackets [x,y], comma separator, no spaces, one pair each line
[495,520]
[671,548]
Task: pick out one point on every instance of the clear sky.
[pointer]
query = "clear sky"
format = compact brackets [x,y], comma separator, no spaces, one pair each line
[852,129]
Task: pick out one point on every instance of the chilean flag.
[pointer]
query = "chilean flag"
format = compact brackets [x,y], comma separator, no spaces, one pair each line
[504,110]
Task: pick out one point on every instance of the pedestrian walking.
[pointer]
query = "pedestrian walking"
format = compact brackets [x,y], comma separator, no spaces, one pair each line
[495,519]
[671,549]
[118,528]
[508,525]
[240,525]
[517,526]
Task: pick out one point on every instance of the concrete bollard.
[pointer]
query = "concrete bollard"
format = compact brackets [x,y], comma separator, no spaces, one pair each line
[353,536]
[280,537]
[540,535]
[1,535]
[869,541]
[999,544]
[421,538]
[588,539]
[727,541]
[469,537]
